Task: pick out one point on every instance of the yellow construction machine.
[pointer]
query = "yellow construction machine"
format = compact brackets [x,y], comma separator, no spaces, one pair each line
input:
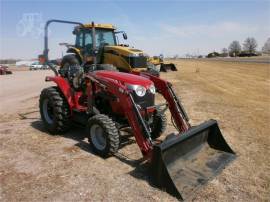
[158,61]
[108,50]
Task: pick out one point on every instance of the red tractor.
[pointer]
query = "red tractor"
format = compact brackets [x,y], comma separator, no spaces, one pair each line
[106,101]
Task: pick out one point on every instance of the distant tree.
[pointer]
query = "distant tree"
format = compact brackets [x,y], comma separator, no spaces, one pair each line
[250,45]
[213,55]
[266,46]
[175,56]
[8,61]
[234,48]
[188,55]
[247,54]
[224,52]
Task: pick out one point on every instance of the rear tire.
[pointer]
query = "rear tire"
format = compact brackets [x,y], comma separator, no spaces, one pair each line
[67,62]
[70,59]
[54,110]
[159,124]
[103,135]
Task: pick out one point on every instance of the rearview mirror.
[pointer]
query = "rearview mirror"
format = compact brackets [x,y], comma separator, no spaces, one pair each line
[125,35]
[76,31]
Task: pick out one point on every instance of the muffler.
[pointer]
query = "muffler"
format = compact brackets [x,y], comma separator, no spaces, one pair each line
[183,163]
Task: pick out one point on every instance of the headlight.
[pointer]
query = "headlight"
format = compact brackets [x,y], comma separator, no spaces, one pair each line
[139,90]
[140,54]
[133,55]
[152,89]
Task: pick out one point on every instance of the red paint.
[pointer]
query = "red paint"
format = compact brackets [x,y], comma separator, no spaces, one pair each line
[124,78]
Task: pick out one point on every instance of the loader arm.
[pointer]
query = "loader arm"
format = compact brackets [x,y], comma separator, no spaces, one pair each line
[177,111]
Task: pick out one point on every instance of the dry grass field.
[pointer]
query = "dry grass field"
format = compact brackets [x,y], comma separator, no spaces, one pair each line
[36,166]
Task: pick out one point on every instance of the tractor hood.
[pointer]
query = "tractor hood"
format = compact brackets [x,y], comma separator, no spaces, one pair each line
[125,78]
[124,51]
[125,58]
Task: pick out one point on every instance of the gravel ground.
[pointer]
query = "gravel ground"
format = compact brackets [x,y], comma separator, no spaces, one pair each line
[36,166]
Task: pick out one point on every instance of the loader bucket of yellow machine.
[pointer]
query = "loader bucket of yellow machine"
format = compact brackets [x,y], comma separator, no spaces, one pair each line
[167,67]
[183,163]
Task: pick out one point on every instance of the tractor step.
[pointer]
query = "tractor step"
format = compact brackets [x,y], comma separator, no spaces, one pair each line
[183,163]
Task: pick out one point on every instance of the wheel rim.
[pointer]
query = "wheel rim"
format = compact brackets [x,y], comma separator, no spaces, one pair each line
[98,137]
[47,111]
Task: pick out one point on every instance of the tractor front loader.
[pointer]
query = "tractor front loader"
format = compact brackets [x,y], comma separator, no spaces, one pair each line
[187,159]
[106,101]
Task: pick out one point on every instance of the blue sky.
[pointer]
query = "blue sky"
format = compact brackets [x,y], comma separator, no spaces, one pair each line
[168,27]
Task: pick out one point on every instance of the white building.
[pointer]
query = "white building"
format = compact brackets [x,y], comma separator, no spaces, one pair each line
[25,62]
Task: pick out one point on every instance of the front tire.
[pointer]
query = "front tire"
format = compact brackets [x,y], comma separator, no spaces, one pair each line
[159,124]
[54,110]
[103,135]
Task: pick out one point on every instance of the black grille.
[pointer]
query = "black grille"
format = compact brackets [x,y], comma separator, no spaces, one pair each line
[137,62]
[146,101]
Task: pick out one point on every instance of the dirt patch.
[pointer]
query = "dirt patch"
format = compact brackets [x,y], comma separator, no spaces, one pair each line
[36,166]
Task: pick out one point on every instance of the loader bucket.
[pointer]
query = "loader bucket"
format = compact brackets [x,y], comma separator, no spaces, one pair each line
[183,163]
[167,67]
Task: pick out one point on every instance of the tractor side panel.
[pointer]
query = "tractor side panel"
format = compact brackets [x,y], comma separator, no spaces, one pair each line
[117,108]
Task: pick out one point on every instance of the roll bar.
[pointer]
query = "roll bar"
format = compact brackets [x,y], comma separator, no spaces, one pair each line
[46,49]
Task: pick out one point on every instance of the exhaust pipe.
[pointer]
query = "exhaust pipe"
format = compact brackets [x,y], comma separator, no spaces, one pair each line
[94,55]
